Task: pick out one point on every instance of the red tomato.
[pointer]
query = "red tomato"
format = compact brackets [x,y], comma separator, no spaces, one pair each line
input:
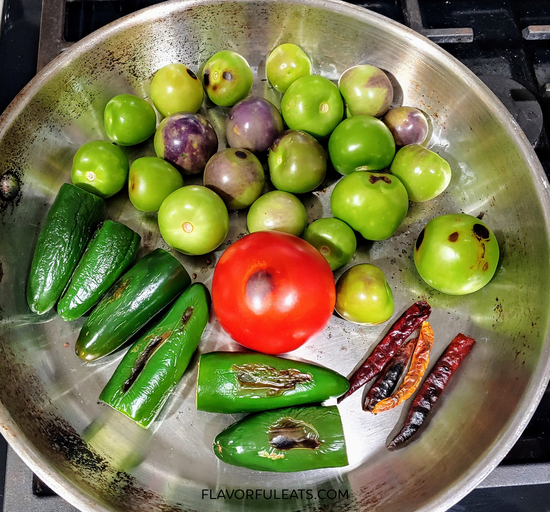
[272,291]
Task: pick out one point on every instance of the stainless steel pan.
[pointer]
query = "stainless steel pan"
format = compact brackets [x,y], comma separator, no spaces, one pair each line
[98,461]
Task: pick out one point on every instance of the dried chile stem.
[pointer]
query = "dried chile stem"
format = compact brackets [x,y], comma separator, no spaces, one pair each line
[433,387]
[419,364]
[387,380]
[405,325]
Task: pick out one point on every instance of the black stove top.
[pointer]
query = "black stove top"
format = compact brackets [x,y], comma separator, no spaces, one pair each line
[505,42]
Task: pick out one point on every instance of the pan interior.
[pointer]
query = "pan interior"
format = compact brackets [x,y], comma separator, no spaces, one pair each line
[99,460]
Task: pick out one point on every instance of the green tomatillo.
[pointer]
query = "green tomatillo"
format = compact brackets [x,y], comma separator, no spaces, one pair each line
[129,120]
[285,65]
[150,181]
[236,175]
[408,125]
[334,239]
[100,167]
[175,88]
[194,220]
[367,90]
[314,105]
[227,78]
[456,254]
[364,296]
[375,204]
[361,141]
[297,162]
[277,211]
[424,173]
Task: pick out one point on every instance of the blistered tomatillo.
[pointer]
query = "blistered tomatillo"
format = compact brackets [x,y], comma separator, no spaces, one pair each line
[456,254]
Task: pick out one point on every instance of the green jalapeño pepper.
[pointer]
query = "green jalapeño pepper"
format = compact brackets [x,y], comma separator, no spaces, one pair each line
[68,227]
[154,365]
[135,298]
[232,382]
[109,253]
[285,440]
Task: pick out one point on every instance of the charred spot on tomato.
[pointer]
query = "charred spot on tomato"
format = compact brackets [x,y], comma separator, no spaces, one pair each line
[240,154]
[289,433]
[227,75]
[453,237]
[481,232]
[191,74]
[259,286]
[206,78]
[373,178]
[264,377]
[420,239]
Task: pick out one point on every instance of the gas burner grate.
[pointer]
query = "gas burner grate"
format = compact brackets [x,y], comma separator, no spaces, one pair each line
[67,21]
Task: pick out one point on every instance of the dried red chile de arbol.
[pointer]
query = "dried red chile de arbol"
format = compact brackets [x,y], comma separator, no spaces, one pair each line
[405,325]
[433,386]
[411,381]
[387,380]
